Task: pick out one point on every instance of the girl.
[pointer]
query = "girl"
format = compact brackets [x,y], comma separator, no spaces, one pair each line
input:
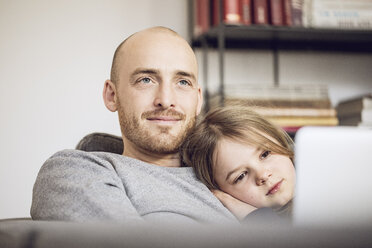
[236,151]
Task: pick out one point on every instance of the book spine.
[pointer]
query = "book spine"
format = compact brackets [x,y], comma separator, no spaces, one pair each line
[276,12]
[201,16]
[325,103]
[260,12]
[216,12]
[246,8]
[287,12]
[297,8]
[295,111]
[304,121]
[231,12]
[307,13]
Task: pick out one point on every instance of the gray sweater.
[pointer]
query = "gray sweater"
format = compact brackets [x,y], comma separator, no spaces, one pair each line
[82,186]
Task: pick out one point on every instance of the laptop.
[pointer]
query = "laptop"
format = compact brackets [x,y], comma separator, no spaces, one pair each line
[334,176]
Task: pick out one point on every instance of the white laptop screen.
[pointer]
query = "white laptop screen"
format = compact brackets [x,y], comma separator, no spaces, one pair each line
[334,176]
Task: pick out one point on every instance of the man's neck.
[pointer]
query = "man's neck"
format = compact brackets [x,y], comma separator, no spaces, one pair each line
[165,160]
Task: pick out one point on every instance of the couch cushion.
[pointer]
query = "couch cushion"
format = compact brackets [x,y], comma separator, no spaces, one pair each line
[101,142]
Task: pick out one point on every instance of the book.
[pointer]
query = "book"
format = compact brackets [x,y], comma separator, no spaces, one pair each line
[319,104]
[281,92]
[201,16]
[246,8]
[294,111]
[354,105]
[260,12]
[356,14]
[276,12]
[232,12]
[299,121]
[307,13]
[297,9]
[287,12]
[364,117]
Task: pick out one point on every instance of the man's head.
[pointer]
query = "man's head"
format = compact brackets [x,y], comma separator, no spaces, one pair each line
[154,88]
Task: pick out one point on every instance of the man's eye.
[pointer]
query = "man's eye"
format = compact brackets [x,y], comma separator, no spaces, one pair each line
[265,154]
[240,177]
[184,83]
[145,80]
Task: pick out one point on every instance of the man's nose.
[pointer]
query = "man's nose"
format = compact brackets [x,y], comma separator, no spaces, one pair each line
[165,96]
[262,175]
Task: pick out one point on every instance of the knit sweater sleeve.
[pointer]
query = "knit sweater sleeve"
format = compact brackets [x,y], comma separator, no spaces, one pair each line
[80,186]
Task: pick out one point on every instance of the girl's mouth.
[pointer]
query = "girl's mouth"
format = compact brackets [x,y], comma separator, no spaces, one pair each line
[275,188]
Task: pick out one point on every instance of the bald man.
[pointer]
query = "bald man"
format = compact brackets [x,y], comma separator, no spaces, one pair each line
[154,88]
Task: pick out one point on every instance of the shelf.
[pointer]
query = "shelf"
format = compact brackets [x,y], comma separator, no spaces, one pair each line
[288,38]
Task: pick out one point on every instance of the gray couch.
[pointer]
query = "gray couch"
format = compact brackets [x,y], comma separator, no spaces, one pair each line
[44,234]
[24,233]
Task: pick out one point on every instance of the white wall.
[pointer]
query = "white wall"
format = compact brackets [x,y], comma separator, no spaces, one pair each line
[56,54]
[54,58]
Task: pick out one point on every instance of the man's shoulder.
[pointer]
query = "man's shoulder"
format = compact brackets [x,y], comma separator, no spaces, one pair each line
[73,153]
[76,158]
[72,158]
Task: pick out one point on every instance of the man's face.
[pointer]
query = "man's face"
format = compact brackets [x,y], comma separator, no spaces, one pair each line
[158,95]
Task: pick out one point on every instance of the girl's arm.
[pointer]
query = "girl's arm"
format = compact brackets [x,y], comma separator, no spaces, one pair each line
[238,208]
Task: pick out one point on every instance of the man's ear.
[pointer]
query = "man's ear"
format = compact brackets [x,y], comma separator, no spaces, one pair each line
[109,96]
[200,101]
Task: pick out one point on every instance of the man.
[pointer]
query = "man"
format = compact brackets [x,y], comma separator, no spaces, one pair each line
[154,88]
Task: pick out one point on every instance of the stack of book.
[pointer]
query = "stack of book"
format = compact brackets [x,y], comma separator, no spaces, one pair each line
[289,106]
[356,111]
[350,14]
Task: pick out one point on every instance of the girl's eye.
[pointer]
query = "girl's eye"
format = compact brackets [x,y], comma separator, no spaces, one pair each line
[240,177]
[265,154]
[184,83]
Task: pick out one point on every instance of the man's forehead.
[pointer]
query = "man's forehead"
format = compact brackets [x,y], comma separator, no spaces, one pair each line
[149,34]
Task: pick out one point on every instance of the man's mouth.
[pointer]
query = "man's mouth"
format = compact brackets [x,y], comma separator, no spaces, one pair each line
[275,188]
[163,117]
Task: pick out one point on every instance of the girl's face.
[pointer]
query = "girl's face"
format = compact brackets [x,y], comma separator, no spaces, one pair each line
[252,175]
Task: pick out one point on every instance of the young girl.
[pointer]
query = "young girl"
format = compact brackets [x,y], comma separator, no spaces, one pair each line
[234,150]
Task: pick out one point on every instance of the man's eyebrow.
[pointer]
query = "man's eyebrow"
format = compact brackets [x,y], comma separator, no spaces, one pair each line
[145,71]
[186,74]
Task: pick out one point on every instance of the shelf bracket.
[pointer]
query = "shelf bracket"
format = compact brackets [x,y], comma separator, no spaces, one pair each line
[276,65]
[204,44]
[221,53]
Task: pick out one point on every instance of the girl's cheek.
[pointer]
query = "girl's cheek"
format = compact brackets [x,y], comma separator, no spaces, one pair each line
[251,199]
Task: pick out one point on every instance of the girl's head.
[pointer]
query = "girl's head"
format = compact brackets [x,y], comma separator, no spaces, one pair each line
[241,153]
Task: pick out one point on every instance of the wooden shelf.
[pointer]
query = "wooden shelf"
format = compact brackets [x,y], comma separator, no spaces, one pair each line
[288,38]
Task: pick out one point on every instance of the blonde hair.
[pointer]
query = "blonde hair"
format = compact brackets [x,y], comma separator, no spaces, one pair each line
[237,123]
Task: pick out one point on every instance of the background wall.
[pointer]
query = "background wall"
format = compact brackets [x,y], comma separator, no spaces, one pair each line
[54,58]
[56,55]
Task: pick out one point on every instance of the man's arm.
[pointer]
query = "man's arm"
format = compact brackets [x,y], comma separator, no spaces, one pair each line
[79,186]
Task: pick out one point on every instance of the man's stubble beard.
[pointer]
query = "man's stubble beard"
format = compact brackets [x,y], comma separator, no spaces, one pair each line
[160,142]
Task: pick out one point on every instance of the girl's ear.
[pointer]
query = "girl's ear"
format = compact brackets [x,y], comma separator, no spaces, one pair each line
[109,96]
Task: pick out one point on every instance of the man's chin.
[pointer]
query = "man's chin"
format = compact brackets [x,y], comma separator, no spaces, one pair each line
[164,144]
